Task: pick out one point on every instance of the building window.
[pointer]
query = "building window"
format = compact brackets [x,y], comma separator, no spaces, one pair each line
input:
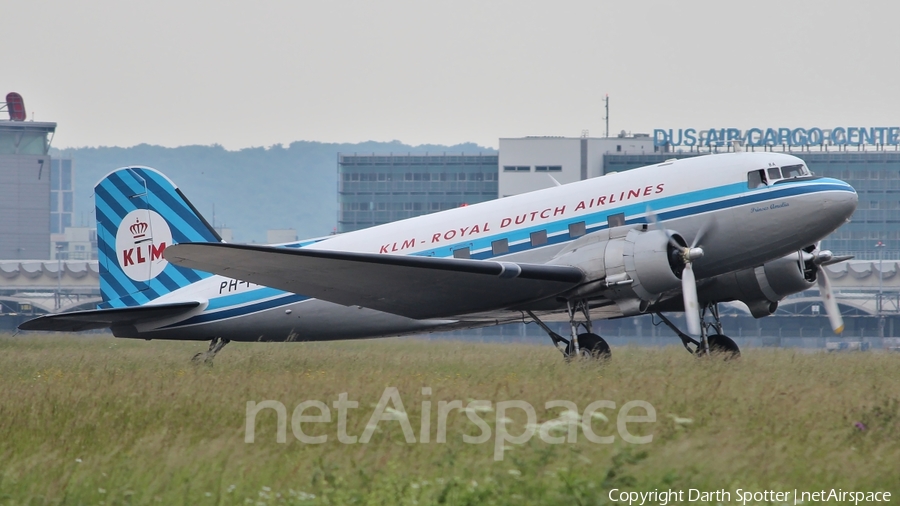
[576,229]
[548,168]
[517,168]
[66,175]
[54,174]
[539,238]
[500,247]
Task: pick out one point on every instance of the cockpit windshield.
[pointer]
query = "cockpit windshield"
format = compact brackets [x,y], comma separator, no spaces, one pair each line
[791,171]
[765,177]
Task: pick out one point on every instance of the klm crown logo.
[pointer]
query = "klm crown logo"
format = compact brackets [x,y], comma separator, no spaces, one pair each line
[138,229]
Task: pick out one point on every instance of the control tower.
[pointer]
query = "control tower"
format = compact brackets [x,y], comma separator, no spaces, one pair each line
[24,183]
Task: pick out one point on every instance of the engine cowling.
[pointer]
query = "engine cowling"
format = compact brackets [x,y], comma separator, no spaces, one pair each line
[630,266]
[761,288]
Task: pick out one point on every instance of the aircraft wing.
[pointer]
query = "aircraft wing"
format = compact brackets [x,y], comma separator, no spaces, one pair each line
[105,318]
[411,286]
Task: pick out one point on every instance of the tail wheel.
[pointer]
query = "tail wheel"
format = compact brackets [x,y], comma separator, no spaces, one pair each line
[723,346]
[590,346]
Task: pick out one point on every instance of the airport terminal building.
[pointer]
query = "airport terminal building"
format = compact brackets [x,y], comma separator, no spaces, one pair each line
[377,189]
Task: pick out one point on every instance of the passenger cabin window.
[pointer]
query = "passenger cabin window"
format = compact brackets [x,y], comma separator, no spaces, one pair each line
[616,220]
[461,253]
[539,238]
[500,247]
[577,229]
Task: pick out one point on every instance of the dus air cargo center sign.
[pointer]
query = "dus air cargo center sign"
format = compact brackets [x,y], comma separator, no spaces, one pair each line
[794,137]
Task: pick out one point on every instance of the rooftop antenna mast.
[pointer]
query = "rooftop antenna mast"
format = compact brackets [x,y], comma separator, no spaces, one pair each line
[606,100]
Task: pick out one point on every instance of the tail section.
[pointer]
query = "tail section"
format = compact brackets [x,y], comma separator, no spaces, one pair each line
[139,213]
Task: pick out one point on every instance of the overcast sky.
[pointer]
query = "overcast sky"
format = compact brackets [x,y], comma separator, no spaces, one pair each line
[246,74]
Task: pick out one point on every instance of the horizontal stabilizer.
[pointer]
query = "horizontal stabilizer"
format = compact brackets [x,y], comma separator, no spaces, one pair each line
[411,286]
[105,318]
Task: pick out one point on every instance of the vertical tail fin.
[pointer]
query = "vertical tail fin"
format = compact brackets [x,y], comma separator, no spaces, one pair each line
[139,213]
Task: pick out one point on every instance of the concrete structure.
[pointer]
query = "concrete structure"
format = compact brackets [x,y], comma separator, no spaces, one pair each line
[280,235]
[526,163]
[25,189]
[39,286]
[75,243]
[376,189]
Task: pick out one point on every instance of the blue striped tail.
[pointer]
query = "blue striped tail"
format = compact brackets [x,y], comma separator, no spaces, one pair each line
[139,213]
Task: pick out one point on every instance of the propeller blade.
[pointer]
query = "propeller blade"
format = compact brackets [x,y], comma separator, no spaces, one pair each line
[831,305]
[651,216]
[707,226]
[837,259]
[691,306]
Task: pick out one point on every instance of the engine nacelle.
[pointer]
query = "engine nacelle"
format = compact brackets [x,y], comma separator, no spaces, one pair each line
[761,288]
[630,266]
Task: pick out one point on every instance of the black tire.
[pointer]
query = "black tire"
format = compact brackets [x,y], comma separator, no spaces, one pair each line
[590,346]
[723,346]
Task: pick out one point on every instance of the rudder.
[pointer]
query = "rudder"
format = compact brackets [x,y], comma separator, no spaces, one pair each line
[139,213]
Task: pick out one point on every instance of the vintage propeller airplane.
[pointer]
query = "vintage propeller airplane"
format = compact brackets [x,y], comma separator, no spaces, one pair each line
[683,235]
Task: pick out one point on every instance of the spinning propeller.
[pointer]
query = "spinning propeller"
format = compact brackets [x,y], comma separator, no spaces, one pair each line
[689,281]
[686,256]
[821,258]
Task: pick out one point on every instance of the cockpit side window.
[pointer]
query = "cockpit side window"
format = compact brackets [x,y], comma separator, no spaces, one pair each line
[774,174]
[793,171]
[756,178]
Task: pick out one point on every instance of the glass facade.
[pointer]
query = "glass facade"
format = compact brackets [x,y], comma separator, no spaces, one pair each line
[62,204]
[874,174]
[378,189]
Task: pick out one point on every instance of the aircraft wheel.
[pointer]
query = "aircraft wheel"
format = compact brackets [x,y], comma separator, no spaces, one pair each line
[590,346]
[723,346]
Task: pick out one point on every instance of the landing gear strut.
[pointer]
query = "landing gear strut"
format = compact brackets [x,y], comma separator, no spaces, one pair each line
[586,344]
[206,357]
[715,344]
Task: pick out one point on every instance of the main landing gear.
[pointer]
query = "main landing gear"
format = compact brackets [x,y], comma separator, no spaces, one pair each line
[716,344]
[585,344]
[215,346]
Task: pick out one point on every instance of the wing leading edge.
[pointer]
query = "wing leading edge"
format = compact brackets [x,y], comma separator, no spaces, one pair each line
[411,286]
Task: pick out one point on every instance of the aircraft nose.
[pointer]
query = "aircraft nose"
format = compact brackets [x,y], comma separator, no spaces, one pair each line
[842,204]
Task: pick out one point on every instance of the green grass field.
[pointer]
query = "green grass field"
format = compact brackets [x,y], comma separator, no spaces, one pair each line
[98,420]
